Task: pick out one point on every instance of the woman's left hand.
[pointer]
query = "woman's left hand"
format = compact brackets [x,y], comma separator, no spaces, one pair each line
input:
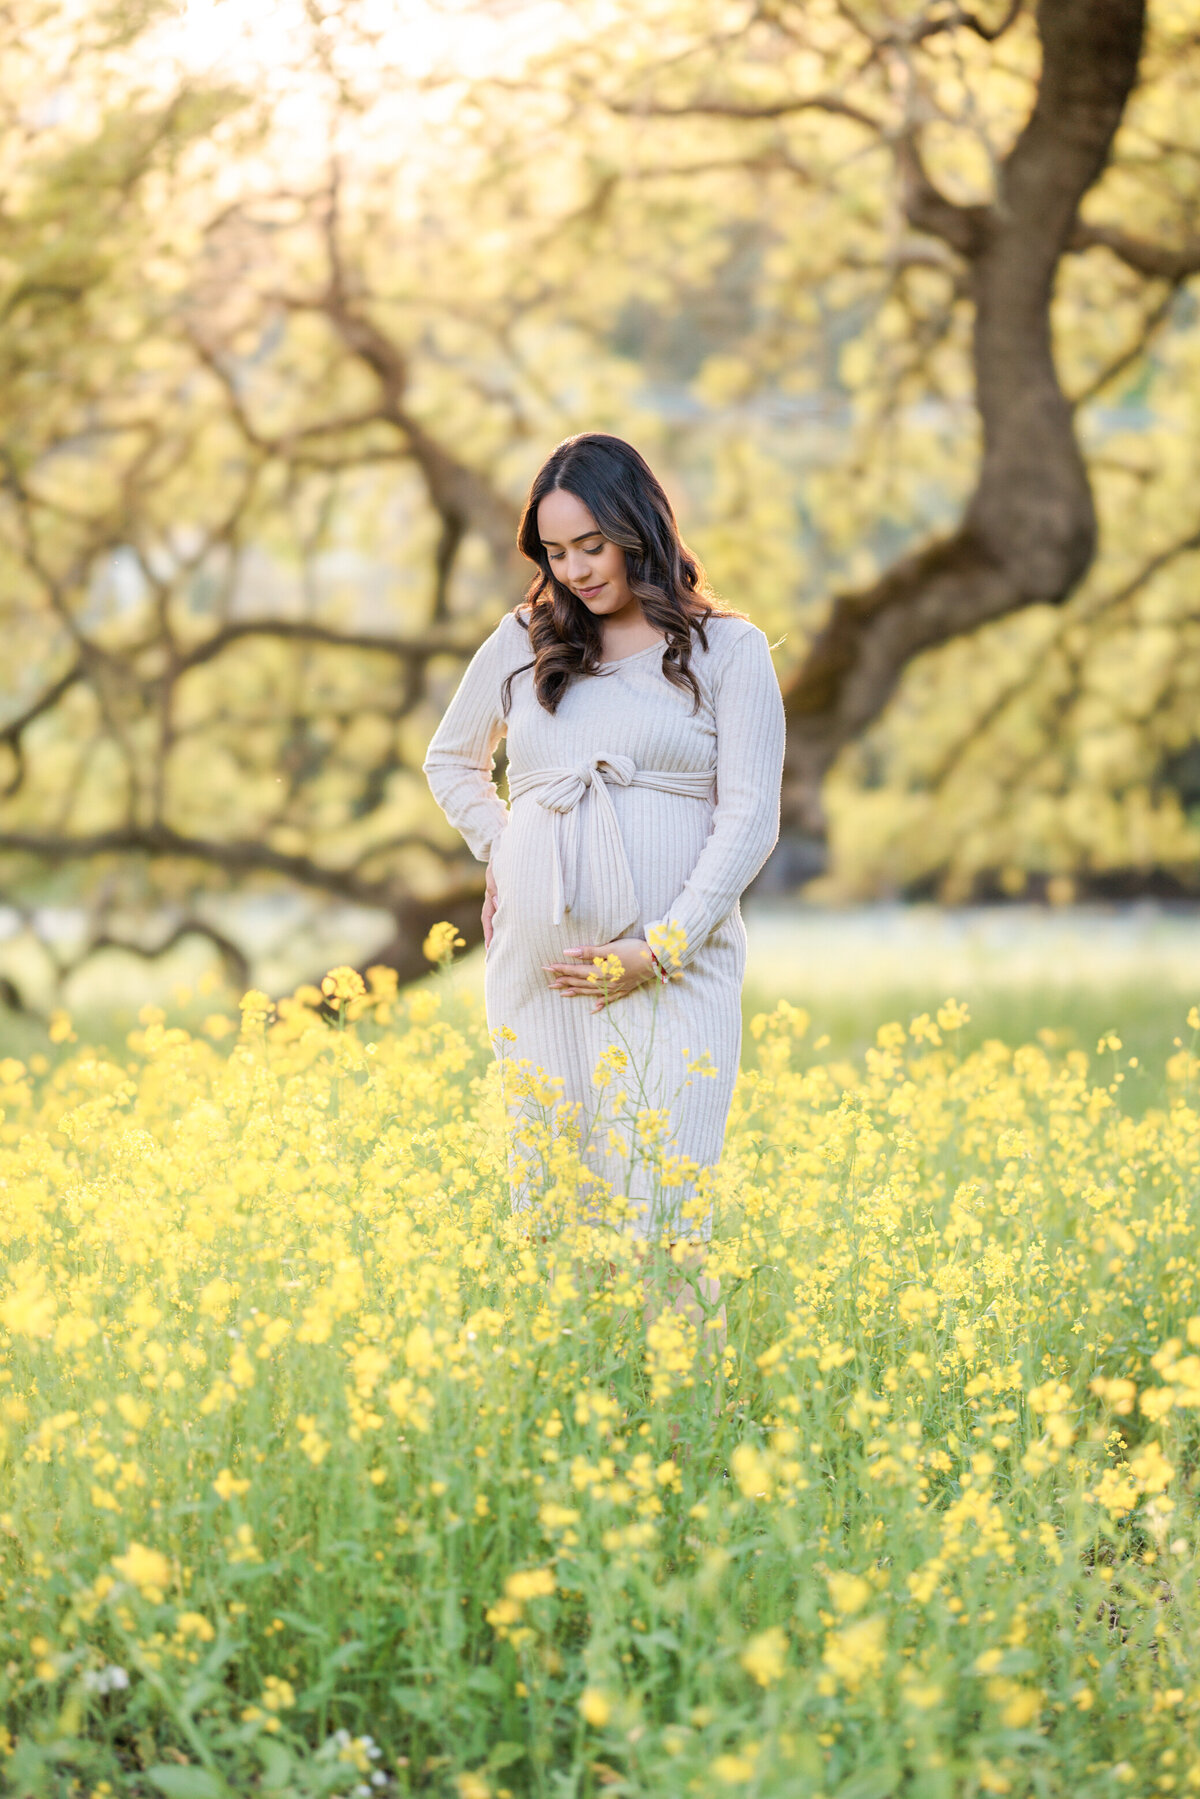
[578,979]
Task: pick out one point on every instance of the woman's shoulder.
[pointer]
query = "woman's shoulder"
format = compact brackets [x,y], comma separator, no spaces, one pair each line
[727,634]
[509,642]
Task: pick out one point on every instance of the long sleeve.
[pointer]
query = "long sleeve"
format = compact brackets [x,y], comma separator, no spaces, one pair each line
[458,765]
[750,730]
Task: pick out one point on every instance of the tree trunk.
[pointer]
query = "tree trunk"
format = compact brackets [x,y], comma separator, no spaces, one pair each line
[415,920]
[1029,531]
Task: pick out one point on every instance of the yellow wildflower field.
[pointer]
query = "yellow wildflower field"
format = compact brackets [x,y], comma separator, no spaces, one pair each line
[326,1473]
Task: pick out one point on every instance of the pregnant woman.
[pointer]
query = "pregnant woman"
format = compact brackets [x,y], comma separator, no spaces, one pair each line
[645,748]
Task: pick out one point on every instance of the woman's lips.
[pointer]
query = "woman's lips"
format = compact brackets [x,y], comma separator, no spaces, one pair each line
[589,593]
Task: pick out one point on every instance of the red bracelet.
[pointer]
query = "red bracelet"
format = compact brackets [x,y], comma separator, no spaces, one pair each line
[659,970]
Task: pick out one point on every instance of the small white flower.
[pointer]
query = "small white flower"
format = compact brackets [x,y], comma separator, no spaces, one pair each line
[110,1679]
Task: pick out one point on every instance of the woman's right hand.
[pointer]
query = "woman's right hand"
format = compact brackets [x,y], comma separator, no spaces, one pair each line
[489,906]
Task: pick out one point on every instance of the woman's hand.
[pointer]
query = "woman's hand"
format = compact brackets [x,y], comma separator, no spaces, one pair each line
[489,905]
[578,979]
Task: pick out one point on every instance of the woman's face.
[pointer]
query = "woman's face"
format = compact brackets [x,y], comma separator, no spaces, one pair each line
[581,557]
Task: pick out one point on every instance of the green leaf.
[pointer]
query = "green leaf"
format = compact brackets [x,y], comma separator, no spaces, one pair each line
[278,1767]
[503,1755]
[483,1680]
[872,1783]
[199,1691]
[416,1701]
[186,1783]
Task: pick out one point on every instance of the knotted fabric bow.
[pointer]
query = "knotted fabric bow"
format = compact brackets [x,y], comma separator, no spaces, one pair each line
[586,823]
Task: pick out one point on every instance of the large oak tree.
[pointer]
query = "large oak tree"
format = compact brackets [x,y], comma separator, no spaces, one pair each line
[875,283]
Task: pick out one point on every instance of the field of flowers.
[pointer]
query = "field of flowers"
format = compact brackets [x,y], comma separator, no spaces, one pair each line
[323,1473]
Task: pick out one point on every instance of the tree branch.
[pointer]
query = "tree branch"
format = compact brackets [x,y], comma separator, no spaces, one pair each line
[1029,532]
[989,33]
[454,488]
[415,919]
[1070,621]
[447,854]
[410,650]
[457,491]
[906,36]
[237,857]
[927,208]
[832,104]
[1132,353]
[237,968]
[13,732]
[1161,262]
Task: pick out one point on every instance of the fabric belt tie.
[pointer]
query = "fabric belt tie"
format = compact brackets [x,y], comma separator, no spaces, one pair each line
[583,790]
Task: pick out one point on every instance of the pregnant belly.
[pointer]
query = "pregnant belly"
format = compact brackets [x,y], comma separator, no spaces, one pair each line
[526,865]
[547,862]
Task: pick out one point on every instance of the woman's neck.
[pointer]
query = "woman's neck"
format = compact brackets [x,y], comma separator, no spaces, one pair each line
[626,632]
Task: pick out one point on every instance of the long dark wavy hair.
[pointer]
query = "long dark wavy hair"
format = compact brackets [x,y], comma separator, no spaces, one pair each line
[626,499]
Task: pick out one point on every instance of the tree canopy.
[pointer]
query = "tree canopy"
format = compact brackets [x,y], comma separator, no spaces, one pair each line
[900,297]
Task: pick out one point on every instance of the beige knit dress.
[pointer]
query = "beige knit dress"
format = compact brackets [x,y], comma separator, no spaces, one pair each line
[630,807]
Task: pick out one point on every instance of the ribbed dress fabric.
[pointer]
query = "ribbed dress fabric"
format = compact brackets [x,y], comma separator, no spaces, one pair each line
[631,807]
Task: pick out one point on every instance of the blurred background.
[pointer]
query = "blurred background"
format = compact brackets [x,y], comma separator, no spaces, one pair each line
[899,298]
